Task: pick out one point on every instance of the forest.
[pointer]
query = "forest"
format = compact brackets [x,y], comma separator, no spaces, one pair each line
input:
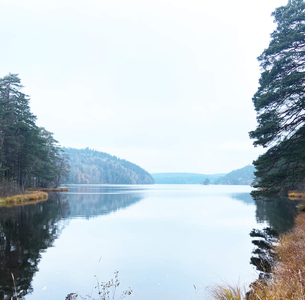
[243,176]
[29,155]
[95,167]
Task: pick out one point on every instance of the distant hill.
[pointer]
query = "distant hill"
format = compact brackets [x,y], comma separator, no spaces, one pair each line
[90,166]
[243,176]
[184,178]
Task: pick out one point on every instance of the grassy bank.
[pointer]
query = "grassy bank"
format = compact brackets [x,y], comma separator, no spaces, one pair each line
[18,199]
[288,279]
[29,202]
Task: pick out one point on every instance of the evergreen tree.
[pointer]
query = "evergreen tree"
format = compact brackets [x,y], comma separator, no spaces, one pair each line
[29,155]
[15,122]
[280,103]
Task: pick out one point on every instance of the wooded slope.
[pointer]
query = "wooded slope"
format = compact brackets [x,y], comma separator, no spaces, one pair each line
[243,176]
[90,166]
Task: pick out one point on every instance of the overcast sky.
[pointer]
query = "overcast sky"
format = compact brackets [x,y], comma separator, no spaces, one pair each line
[165,84]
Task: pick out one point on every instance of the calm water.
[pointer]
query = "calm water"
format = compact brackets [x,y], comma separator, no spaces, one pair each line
[163,240]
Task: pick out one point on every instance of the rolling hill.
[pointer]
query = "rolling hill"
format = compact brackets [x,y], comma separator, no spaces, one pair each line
[95,167]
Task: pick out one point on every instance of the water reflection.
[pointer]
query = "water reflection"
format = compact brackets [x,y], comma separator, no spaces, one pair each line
[25,232]
[28,231]
[263,255]
[87,202]
[244,197]
[279,213]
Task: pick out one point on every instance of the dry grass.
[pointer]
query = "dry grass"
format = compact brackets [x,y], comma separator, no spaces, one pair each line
[227,292]
[65,189]
[294,195]
[11,204]
[36,196]
[288,280]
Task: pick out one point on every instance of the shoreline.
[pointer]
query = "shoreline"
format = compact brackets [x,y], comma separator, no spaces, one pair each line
[23,198]
[63,189]
[287,279]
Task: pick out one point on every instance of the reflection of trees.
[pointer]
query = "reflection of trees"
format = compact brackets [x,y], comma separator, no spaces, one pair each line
[90,205]
[279,213]
[244,197]
[263,254]
[25,232]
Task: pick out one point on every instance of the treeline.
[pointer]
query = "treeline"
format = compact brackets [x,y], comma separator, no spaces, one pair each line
[184,178]
[94,167]
[29,155]
[243,176]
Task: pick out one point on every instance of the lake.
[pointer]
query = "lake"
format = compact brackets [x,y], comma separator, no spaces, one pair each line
[166,241]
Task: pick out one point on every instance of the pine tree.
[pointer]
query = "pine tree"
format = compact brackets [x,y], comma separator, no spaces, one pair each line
[16,120]
[29,155]
[280,103]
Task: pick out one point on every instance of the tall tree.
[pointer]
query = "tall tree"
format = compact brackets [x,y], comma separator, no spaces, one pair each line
[16,121]
[29,155]
[280,103]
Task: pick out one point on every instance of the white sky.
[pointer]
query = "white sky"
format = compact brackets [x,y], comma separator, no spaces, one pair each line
[165,84]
